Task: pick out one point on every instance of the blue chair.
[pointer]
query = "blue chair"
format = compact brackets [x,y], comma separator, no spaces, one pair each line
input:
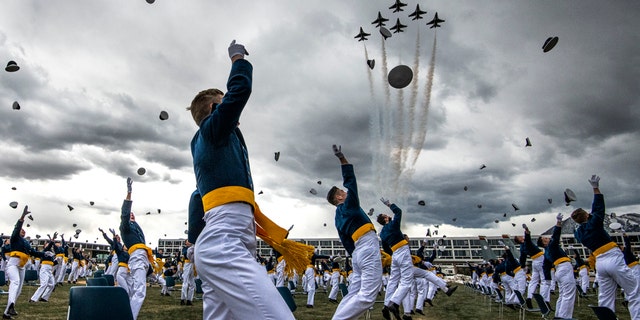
[92,282]
[3,280]
[288,298]
[99,303]
[198,289]
[98,274]
[110,280]
[343,289]
[30,277]
[603,313]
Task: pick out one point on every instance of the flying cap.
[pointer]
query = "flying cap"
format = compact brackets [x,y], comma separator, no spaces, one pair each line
[276,155]
[164,115]
[12,66]
[142,171]
[371,63]
[91,203]
[385,32]
[549,44]
[16,105]
[421,202]
[70,207]
[13,204]
[313,191]
[400,76]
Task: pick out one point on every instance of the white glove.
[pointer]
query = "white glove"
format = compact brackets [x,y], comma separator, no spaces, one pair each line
[129,183]
[190,253]
[48,254]
[594,181]
[559,217]
[337,151]
[237,49]
[385,201]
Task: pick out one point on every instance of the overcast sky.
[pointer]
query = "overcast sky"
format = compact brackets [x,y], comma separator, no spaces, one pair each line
[94,76]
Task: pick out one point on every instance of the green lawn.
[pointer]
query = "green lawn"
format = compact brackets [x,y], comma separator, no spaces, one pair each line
[464,304]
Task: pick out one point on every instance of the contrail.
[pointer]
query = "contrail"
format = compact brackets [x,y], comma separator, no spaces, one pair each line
[410,120]
[374,124]
[425,107]
[387,116]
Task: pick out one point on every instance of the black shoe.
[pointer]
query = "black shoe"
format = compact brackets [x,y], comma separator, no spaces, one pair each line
[6,316]
[429,302]
[450,291]
[309,306]
[189,303]
[394,308]
[529,304]
[553,293]
[625,303]
[182,302]
[412,312]
[68,281]
[43,300]
[406,317]
[420,311]
[31,301]
[385,313]
[333,300]
[12,310]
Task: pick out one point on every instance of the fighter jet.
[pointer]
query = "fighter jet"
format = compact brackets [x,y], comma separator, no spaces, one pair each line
[379,22]
[362,35]
[398,27]
[398,6]
[417,14]
[435,22]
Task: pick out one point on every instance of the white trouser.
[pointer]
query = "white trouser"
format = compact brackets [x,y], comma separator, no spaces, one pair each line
[421,286]
[408,303]
[113,267]
[583,274]
[520,280]
[74,270]
[335,279]
[188,282]
[509,286]
[567,288]
[234,284]
[138,266]
[280,278]
[163,284]
[309,279]
[400,276]
[367,278]
[59,270]
[46,283]
[124,280]
[613,272]
[537,276]
[15,276]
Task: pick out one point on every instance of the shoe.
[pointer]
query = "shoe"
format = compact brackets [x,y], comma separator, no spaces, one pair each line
[43,300]
[419,311]
[189,303]
[553,293]
[68,281]
[406,317]
[429,302]
[394,308]
[6,316]
[451,291]
[412,312]
[182,302]
[529,304]
[309,306]
[333,300]
[625,304]
[385,313]
[12,310]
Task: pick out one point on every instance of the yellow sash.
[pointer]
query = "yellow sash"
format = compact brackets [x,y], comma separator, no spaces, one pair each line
[142,246]
[21,255]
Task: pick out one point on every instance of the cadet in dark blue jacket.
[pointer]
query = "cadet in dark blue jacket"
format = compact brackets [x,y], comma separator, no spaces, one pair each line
[18,257]
[528,248]
[358,236]
[611,269]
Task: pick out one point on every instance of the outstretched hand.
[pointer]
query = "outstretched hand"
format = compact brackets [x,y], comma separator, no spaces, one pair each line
[129,183]
[337,151]
[100,229]
[385,201]
[25,212]
[237,49]
[594,181]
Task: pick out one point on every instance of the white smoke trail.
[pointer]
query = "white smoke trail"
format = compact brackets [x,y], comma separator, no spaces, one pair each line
[386,120]
[409,122]
[422,124]
[374,124]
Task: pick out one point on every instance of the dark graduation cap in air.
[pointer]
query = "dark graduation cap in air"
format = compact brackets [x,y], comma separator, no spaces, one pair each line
[496,220]
[91,203]
[159,211]
[12,66]
[569,196]
[527,142]
[151,1]
[482,167]
[148,213]
[515,207]
[428,232]
[28,225]
[185,223]
[277,156]
[13,204]
[385,33]
[533,219]
[70,207]
[76,236]
[371,63]
[400,76]
[260,192]
[371,211]
[466,188]
[164,115]
[37,236]
[74,225]
[421,202]
[325,224]
[313,191]
[549,44]
[550,200]
[13,188]
[479,206]
[319,182]
[513,224]
[15,106]
[454,219]
[504,215]
[30,217]
[142,171]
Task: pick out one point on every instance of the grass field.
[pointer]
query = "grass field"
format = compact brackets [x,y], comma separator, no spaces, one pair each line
[464,304]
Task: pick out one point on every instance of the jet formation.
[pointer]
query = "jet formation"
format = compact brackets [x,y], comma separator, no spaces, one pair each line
[435,23]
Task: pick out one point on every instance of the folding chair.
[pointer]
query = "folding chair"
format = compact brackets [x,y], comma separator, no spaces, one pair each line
[542,305]
[343,289]
[99,303]
[523,305]
[603,313]
[93,282]
[288,298]
[110,280]
[30,277]
[171,282]
[198,289]
[3,282]
[98,274]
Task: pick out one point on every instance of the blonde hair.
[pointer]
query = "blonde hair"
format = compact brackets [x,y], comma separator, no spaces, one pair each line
[200,104]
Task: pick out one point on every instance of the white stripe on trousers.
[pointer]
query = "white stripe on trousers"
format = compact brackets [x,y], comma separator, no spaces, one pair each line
[234,284]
